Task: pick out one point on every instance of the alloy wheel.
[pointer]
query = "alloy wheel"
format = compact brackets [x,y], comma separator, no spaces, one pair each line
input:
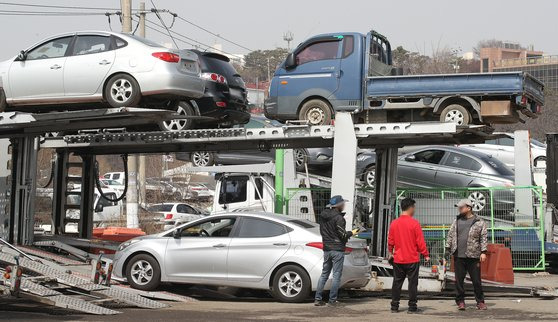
[455,116]
[290,284]
[121,90]
[478,199]
[177,124]
[142,272]
[201,159]
[300,158]
[370,178]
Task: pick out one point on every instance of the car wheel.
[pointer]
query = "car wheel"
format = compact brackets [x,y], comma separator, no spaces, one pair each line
[3,102]
[300,158]
[479,200]
[291,284]
[201,159]
[539,159]
[122,90]
[182,109]
[369,176]
[455,113]
[316,112]
[143,272]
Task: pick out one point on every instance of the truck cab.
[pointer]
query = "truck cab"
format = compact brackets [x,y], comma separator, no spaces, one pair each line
[243,192]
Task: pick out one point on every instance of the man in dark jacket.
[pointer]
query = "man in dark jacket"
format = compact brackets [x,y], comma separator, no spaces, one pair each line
[334,238]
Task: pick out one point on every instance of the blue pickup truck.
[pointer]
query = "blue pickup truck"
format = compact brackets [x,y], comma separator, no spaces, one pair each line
[353,72]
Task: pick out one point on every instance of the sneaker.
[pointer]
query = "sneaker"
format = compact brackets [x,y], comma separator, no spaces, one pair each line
[461,306]
[334,304]
[481,306]
[319,303]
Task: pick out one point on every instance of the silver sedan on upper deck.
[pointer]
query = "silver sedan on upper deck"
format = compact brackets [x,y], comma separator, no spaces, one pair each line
[98,66]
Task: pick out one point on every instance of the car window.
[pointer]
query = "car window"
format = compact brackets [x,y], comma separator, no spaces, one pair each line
[91,44]
[119,43]
[507,141]
[430,156]
[220,227]
[303,223]
[493,142]
[107,176]
[51,49]
[259,228]
[498,166]
[185,209]
[233,189]
[259,189]
[116,176]
[161,208]
[458,160]
[538,143]
[214,64]
[318,51]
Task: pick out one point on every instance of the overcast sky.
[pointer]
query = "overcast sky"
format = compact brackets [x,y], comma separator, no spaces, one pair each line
[416,25]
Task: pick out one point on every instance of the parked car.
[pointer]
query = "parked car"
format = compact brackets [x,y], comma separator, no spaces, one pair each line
[156,188]
[115,176]
[113,184]
[313,157]
[503,149]
[224,102]
[176,213]
[446,166]
[99,67]
[249,250]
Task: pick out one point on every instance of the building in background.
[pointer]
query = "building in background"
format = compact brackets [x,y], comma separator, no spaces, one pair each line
[511,57]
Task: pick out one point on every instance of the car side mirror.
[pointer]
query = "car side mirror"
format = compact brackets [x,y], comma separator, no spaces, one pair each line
[177,233]
[290,62]
[22,55]
[411,158]
[99,208]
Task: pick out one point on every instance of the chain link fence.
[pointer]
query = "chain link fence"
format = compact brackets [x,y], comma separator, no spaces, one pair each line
[514,216]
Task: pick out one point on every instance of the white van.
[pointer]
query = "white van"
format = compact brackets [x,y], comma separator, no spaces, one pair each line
[243,192]
[116,176]
[104,210]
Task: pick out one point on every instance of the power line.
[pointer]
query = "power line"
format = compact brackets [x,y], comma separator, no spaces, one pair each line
[213,33]
[58,13]
[56,7]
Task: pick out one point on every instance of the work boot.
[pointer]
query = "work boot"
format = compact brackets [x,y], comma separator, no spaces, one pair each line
[481,306]
[461,306]
[334,304]
[394,309]
[413,310]
[319,303]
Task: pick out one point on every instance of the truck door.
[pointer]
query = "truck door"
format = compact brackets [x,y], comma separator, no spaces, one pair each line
[316,72]
[349,94]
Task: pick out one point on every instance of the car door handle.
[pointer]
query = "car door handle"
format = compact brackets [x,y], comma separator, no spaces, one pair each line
[55,66]
[219,246]
[280,244]
[104,62]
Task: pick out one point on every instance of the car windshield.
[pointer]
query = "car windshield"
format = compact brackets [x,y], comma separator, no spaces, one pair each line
[160,208]
[498,166]
[145,41]
[215,65]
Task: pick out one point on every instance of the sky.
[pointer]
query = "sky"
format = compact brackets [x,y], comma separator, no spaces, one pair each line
[417,25]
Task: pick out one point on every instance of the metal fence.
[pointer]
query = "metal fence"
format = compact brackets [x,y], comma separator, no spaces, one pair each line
[514,216]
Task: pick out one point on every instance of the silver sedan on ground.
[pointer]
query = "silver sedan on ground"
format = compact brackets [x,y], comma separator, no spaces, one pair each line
[97,66]
[260,251]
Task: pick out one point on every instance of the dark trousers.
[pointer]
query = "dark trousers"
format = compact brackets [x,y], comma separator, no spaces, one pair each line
[462,267]
[400,272]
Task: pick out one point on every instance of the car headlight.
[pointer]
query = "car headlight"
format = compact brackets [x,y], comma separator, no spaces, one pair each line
[127,243]
[362,157]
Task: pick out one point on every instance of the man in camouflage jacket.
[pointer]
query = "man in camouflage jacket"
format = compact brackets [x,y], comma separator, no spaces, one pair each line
[467,241]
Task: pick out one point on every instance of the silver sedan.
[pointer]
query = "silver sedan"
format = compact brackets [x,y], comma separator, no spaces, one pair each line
[98,66]
[256,250]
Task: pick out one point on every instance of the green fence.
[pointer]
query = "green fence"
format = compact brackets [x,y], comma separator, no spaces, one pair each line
[517,225]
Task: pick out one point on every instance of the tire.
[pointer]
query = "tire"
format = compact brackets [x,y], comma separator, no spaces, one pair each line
[184,109]
[316,112]
[300,158]
[202,159]
[122,90]
[455,113]
[3,102]
[539,159]
[143,272]
[369,176]
[291,284]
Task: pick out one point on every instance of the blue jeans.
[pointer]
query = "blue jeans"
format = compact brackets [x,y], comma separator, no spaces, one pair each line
[333,260]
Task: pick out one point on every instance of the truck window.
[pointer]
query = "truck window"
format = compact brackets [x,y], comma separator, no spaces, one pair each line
[348,45]
[233,189]
[318,51]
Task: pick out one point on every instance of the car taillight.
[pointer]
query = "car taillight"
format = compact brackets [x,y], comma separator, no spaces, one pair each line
[348,250]
[214,78]
[221,104]
[318,245]
[166,56]
[168,216]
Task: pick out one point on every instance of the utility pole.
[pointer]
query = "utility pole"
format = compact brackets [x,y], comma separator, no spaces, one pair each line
[132,220]
[141,164]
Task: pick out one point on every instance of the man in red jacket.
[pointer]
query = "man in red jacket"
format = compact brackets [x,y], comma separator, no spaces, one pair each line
[405,243]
